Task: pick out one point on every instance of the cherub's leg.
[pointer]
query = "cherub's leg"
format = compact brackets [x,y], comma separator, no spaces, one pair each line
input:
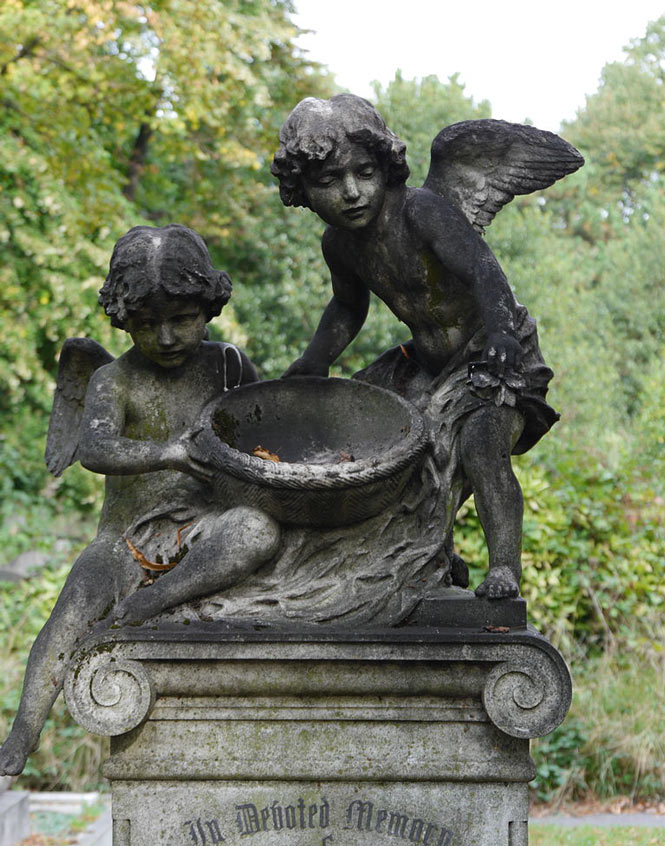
[242,540]
[487,439]
[88,594]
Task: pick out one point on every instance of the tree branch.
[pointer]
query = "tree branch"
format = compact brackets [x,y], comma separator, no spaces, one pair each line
[137,161]
[26,50]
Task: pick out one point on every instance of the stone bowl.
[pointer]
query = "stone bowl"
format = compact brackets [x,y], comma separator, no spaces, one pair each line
[314,425]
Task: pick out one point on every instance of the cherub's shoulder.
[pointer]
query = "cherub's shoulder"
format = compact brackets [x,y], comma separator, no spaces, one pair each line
[334,242]
[421,201]
[339,251]
[426,212]
[110,372]
[116,375]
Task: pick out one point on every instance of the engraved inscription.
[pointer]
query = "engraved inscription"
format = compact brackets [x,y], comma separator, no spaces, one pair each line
[287,822]
[204,832]
[275,817]
[362,816]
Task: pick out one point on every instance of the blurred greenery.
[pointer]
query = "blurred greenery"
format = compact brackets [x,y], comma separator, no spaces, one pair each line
[117,113]
[587,835]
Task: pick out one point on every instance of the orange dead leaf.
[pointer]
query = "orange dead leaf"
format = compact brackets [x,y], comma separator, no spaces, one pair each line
[265,454]
[143,561]
[181,530]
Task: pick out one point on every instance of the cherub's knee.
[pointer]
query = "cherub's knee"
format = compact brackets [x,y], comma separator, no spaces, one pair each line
[487,438]
[255,533]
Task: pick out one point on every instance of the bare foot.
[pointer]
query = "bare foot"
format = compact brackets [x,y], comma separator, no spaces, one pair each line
[139,606]
[499,584]
[15,750]
[134,609]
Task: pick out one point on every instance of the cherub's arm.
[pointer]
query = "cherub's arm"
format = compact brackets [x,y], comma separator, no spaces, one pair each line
[342,319]
[464,253]
[103,449]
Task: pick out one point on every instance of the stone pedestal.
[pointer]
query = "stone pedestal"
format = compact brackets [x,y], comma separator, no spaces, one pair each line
[285,738]
[14,816]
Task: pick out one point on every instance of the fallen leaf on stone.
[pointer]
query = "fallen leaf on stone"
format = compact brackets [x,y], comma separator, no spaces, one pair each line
[153,566]
[265,454]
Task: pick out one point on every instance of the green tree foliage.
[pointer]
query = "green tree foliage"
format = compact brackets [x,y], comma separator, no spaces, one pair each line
[622,126]
[116,113]
[615,212]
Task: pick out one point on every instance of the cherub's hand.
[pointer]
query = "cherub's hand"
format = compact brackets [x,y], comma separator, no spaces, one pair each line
[178,456]
[306,367]
[503,354]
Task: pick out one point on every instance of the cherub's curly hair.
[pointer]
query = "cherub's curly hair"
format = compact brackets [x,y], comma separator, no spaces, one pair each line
[313,130]
[170,259]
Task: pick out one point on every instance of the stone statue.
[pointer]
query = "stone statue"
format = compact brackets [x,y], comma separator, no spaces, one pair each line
[473,364]
[177,489]
[133,423]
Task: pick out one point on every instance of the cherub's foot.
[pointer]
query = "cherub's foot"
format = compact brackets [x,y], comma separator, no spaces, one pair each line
[134,609]
[14,752]
[499,584]
[141,605]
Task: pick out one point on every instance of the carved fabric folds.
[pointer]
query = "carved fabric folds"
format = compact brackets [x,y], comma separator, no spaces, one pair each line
[449,394]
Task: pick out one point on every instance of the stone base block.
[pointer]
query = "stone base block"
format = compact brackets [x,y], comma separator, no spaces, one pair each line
[285,738]
[456,608]
[284,813]
[14,817]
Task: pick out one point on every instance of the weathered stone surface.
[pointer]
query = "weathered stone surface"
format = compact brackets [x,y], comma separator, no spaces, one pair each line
[346,449]
[14,817]
[420,734]
[120,694]
[318,813]
[455,607]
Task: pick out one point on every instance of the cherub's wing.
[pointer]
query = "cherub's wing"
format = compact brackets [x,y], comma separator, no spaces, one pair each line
[480,165]
[79,359]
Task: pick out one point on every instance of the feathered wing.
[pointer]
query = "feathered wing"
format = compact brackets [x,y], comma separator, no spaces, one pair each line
[79,359]
[480,165]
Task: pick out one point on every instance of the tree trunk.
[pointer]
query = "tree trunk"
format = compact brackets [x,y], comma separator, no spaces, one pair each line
[137,161]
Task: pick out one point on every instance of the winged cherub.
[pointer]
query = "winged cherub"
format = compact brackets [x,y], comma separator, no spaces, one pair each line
[131,419]
[420,250]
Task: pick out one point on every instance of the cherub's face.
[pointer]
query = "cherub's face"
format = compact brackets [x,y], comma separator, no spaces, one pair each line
[167,331]
[346,190]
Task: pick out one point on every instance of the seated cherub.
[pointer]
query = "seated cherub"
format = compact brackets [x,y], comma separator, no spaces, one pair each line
[420,251]
[135,428]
